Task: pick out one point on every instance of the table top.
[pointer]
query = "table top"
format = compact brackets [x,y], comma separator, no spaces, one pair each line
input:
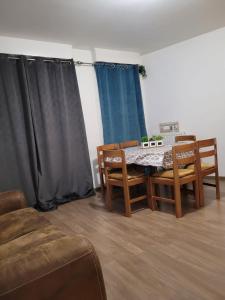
[157,156]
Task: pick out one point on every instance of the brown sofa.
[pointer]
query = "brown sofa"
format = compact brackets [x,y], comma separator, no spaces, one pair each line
[38,261]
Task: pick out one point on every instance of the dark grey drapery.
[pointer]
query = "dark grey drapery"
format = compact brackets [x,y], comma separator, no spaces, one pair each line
[17,147]
[59,153]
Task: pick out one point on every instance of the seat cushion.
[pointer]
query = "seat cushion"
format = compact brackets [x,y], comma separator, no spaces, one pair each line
[20,222]
[169,173]
[131,174]
[204,166]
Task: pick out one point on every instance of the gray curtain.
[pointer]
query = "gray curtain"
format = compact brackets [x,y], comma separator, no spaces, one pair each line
[59,146]
[18,159]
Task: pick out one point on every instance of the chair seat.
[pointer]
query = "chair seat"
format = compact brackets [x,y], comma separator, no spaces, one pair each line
[169,173]
[204,166]
[132,174]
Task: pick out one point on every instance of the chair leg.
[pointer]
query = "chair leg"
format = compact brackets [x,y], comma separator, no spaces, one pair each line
[197,194]
[201,191]
[217,185]
[126,192]
[178,201]
[172,191]
[157,189]
[152,194]
[109,196]
[194,185]
[149,194]
[102,183]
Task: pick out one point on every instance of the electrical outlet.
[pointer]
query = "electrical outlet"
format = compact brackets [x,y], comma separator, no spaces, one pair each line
[169,127]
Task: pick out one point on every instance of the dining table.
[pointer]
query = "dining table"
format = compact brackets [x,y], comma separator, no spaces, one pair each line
[153,156]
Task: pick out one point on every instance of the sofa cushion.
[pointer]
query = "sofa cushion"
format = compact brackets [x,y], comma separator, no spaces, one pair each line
[31,239]
[11,200]
[20,222]
[45,258]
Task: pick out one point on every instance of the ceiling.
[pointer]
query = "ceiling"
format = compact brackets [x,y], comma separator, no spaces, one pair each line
[133,25]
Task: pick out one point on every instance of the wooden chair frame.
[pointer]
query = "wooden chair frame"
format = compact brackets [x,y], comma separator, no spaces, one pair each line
[185,138]
[101,164]
[128,144]
[202,145]
[176,182]
[124,183]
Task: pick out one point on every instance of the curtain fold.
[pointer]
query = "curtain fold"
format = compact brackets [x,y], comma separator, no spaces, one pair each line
[54,132]
[18,168]
[121,102]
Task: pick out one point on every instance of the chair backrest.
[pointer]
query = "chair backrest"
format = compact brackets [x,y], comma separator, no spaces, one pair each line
[114,159]
[184,138]
[184,155]
[128,144]
[100,150]
[206,149]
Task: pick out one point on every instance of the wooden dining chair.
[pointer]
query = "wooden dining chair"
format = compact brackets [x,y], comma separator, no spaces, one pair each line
[128,144]
[177,177]
[116,174]
[185,138]
[100,161]
[207,149]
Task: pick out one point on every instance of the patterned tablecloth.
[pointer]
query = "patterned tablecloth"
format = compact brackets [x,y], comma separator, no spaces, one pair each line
[156,157]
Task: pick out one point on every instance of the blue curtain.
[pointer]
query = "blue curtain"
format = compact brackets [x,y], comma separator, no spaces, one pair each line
[121,102]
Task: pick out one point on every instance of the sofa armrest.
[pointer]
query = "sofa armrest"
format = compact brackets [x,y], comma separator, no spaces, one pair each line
[11,200]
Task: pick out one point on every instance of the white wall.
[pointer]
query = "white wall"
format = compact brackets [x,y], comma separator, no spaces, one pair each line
[36,48]
[86,80]
[186,83]
[91,106]
[108,55]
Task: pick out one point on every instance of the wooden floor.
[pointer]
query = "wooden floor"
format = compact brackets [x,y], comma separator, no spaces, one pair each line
[153,255]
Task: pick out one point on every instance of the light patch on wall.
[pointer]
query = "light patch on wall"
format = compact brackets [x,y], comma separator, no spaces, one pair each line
[135,2]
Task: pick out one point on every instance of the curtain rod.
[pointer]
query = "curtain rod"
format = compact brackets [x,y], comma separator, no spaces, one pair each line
[81,63]
[77,63]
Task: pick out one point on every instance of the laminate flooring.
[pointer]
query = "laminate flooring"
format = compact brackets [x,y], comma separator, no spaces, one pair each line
[153,255]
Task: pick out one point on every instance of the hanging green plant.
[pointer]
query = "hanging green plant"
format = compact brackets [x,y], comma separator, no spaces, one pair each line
[142,71]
